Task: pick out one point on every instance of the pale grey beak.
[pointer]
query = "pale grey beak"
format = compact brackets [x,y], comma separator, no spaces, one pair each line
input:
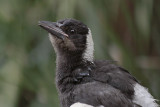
[53,28]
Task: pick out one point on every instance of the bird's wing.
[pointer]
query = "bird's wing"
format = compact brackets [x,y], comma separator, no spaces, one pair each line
[98,94]
[122,80]
[143,97]
[118,77]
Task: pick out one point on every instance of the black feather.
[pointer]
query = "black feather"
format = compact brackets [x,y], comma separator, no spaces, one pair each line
[94,83]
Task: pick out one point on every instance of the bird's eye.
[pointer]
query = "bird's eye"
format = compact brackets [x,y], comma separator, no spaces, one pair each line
[72,31]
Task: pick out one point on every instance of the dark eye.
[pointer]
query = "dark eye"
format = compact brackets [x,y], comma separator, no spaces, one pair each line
[72,31]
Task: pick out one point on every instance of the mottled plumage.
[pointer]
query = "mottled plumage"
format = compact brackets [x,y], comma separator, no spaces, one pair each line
[84,82]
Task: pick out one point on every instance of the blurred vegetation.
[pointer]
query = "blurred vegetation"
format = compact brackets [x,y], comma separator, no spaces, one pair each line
[124,30]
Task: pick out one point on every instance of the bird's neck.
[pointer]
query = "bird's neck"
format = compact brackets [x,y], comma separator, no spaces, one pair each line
[66,64]
[68,60]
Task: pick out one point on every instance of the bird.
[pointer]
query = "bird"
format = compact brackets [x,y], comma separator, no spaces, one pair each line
[81,80]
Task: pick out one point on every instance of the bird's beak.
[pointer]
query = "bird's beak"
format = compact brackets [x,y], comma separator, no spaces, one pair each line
[53,28]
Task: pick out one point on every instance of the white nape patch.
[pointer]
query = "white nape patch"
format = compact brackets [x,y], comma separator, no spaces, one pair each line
[88,54]
[80,105]
[143,97]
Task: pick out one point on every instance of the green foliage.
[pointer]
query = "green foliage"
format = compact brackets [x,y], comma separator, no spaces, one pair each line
[126,31]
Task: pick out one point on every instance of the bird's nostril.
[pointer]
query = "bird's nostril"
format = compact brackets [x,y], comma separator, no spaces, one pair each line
[56,25]
[59,24]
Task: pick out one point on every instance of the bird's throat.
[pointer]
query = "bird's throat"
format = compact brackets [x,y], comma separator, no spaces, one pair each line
[68,61]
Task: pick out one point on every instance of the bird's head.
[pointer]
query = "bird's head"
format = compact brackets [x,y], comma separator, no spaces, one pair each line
[70,36]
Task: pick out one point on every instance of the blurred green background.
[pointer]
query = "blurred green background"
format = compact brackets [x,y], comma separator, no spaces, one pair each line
[127,31]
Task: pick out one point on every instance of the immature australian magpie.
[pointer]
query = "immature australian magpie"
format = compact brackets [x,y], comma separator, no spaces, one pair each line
[84,82]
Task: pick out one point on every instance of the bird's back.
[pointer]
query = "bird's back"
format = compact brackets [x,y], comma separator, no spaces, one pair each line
[102,87]
[100,94]
[113,86]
